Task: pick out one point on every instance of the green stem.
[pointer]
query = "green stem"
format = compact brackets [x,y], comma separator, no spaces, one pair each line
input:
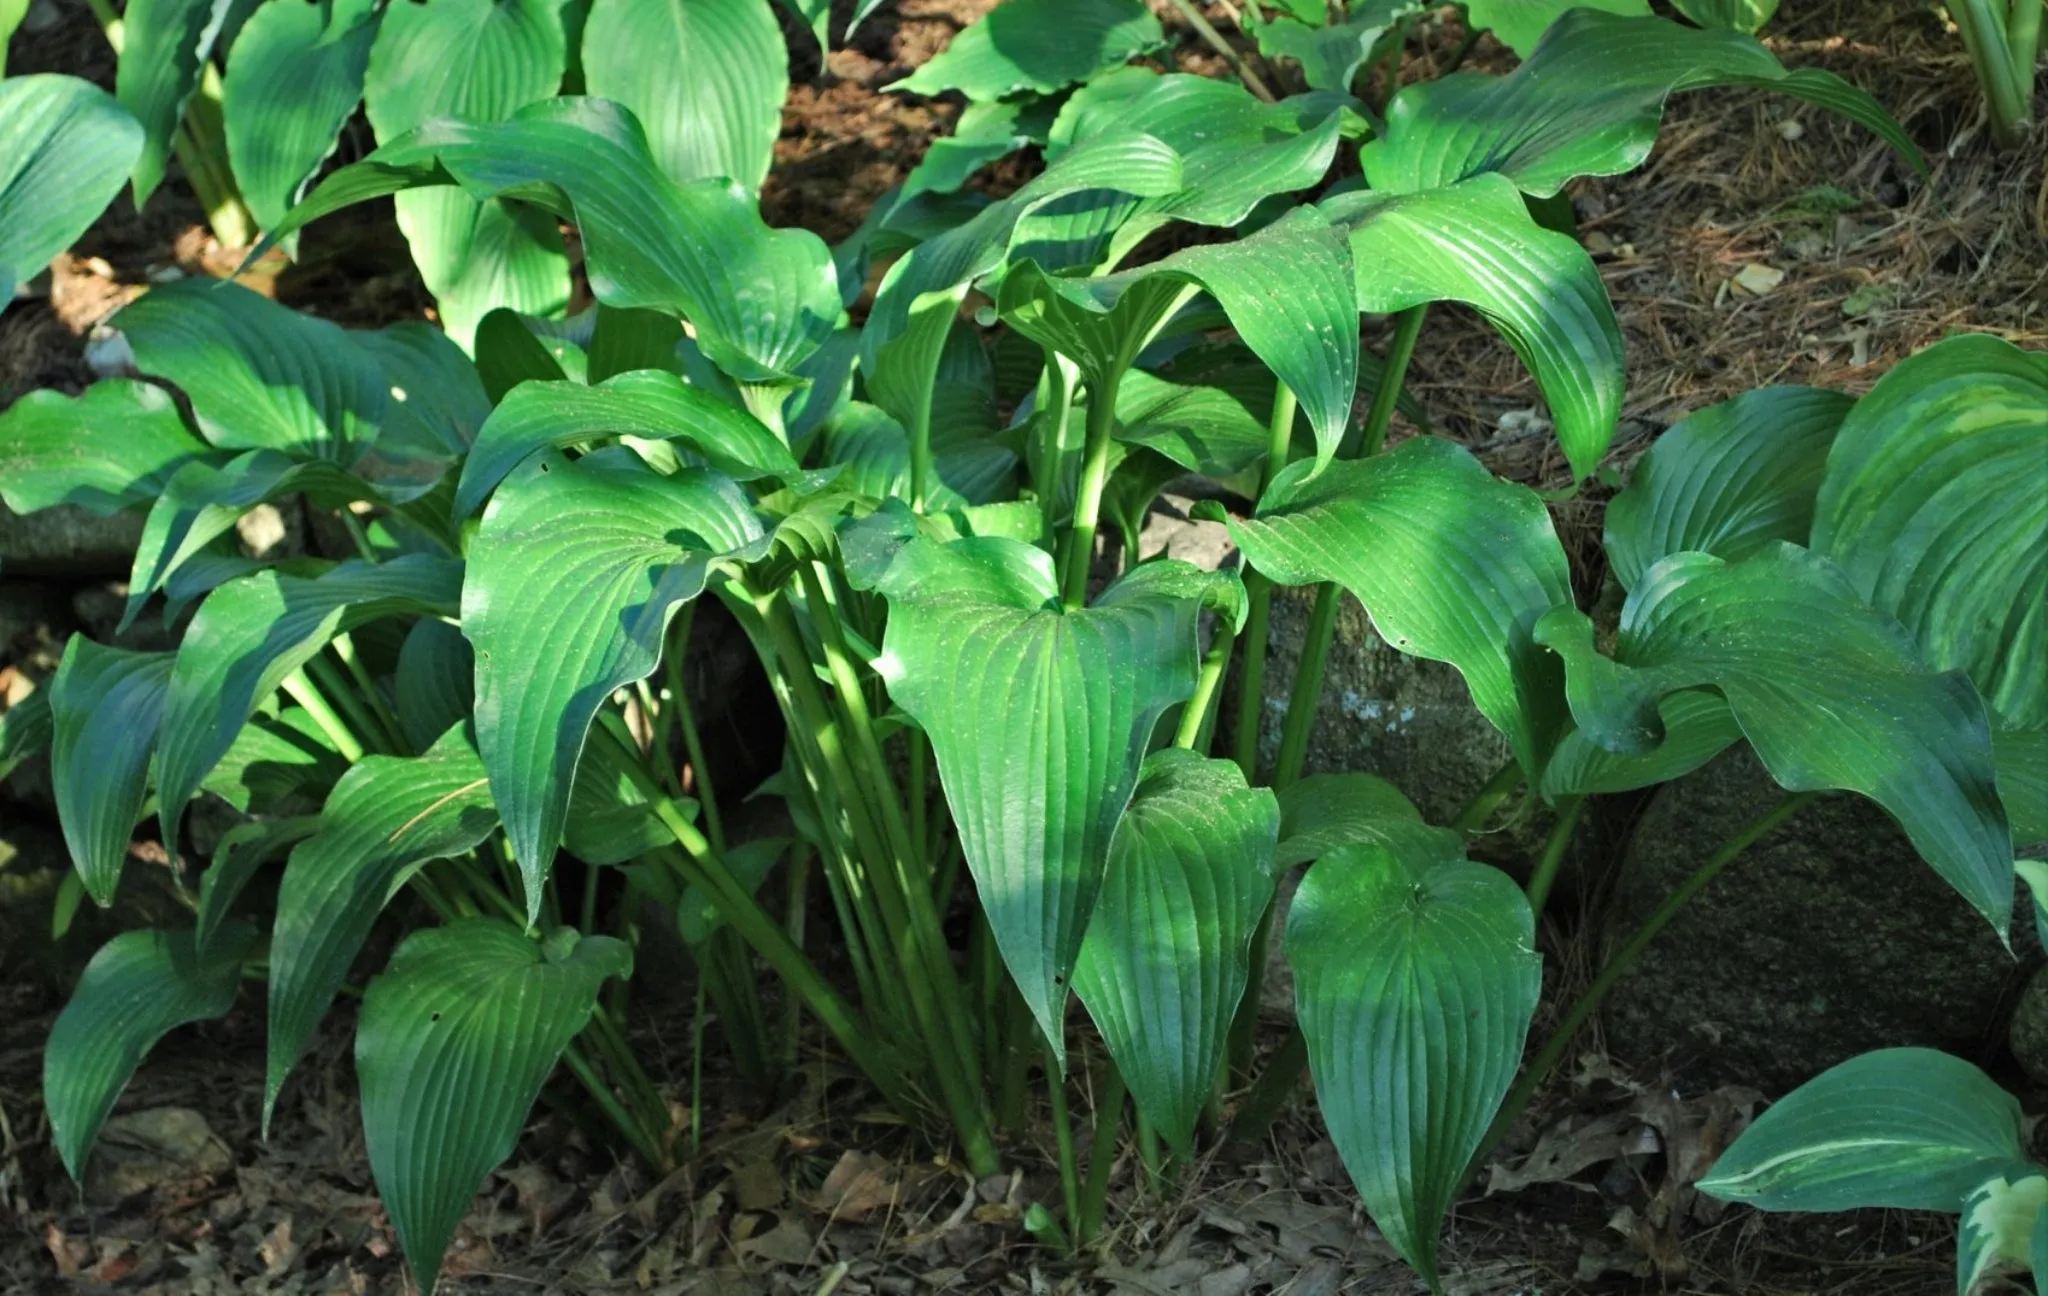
[2023,36]
[1018,1037]
[1619,964]
[1488,798]
[1252,681]
[1094,477]
[1568,812]
[300,690]
[1109,1115]
[336,687]
[1307,692]
[1194,716]
[1063,1132]
[644,1144]
[686,722]
[2007,98]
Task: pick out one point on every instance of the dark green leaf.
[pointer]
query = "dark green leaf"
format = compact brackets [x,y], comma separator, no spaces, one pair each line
[1737,15]
[65,147]
[271,759]
[456,1039]
[625,340]
[293,81]
[1039,46]
[1831,695]
[114,446]
[1330,53]
[436,398]
[1322,812]
[104,708]
[242,850]
[1698,726]
[164,43]
[139,987]
[435,684]
[1520,24]
[25,730]
[2022,756]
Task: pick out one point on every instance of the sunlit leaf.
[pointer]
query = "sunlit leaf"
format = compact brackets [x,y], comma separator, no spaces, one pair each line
[164,43]
[115,445]
[293,80]
[1039,46]
[65,147]
[1323,812]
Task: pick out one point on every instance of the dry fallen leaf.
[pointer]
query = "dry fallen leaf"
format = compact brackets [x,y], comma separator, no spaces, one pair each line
[860,1183]
[1758,279]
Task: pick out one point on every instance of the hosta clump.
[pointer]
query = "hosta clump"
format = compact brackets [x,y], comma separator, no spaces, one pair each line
[903,520]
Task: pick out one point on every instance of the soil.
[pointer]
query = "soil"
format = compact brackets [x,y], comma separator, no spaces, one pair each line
[815,1190]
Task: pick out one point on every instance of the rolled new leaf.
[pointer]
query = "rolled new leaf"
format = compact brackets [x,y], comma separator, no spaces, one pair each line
[1831,695]
[1167,953]
[1415,977]
[105,705]
[65,147]
[457,1037]
[572,578]
[1039,717]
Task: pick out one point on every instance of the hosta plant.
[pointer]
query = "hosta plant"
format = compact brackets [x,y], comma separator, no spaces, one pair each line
[996,789]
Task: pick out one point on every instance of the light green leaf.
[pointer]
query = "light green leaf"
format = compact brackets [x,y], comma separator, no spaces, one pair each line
[1452,563]
[1698,726]
[1168,946]
[1908,1128]
[1997,1231]
[1330,53]
[762,300]
[104,708]
[480,60]
[1520,24]
[251,633]
[644,403]
[456,1039]
[1323,812]
[1474,242]
[720,119]
[1831,695]
[1934,504]
[65,147]
[573,577]
[1587,102]
[11,14]
[987,130]
[1200,428]
[1219,592]
[294,79]
[139,987]
[1736,15]
[163,45]
[114,446]
[1039,717]
[387,817]
[2022,756]
[1415,976]
[1039,46]
[1730,480]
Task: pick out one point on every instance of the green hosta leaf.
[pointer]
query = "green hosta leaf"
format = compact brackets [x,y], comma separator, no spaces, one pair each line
[875,451]
[1323,812]
[436,398]
[293,81]
[625,340]
[1831,695]
[388,816]
[1520,24]
[243,850]
[762,300]
[25,730]
[1168,948]
[435,683]
[987,130]
[1909,1128]
[1736,15]
[1587,102]
[139,987]
[65,147]
[249,634]
[1730,480]
[1039,717]
[112,447]
[1220,592]
[719,120]
[1933,504]
[1330,54]
[2022,756]
[1452,563]
[509,352]
[1475,243]
[1307,335]
[104,708]
[456,1039]
[1415,976]
[260,376]
[1698,726]
[473,255]
[644,403]
[272,759]
[1200,428]
[163,45]
[1998,1226]
[612,818]
[1039,46]
[11,14]
[572,579]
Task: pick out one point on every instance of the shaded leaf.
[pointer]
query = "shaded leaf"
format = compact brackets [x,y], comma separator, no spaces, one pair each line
[163,45]
[1698,726]
[1039,46]
[435,683]
[115,445]
[293,80]
[65,147]
[104,707]
[1322,812]
[243,849]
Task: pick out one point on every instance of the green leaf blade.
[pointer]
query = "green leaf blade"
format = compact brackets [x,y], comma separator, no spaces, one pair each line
[293,81]
[105,705]
[65,147]
[1039,46]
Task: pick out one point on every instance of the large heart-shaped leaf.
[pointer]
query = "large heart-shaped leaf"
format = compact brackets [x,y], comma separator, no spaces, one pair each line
[1452,563]
[1909,1128]
[1168,948]
[114,446]
[293,81]
[1475,243]
[1934,505]
[761,300]
[104,707]
[139,987]
[1415,976]
[1831,695]
[164,43]
[644,403]
[456,1039]
[1730,480]
[1322,812]
[482,61]
[573,576]
[65,147]
[1587,102]
[1040,46]
[1307,335]
[1039,718]
[387,817]
[251,633]
[719,120]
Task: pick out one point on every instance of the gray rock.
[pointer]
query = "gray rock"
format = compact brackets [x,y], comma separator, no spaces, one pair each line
[2028,1034]
[1828,938]
[68,541]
